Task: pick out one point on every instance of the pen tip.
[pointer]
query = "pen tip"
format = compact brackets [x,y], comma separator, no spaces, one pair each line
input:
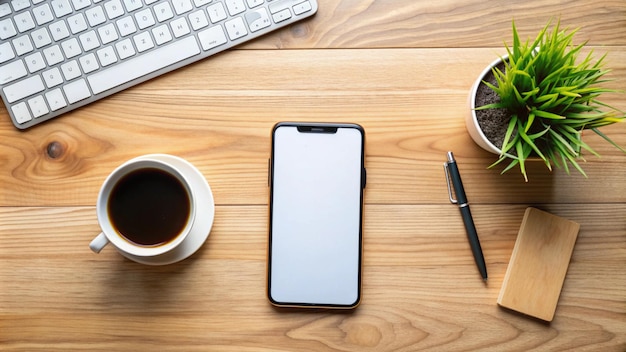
[450,157]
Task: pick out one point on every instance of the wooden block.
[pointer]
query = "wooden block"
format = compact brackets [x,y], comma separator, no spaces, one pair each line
[534,278]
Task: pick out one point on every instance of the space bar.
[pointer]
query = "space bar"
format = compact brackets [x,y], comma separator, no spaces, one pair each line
[143,64]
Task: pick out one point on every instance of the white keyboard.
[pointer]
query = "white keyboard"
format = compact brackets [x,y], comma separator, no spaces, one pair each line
[58,55]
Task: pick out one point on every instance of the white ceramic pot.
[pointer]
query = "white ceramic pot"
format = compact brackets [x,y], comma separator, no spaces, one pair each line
[471,122]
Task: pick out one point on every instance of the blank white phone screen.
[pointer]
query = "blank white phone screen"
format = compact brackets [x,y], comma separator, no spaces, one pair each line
[316,216]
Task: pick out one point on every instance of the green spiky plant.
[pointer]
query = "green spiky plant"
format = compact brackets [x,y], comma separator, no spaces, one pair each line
[551,97]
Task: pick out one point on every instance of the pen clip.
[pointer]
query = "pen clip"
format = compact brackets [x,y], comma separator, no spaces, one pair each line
[445,169]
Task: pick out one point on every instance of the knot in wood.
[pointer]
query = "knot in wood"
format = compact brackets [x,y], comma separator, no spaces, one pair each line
[55,150]
[300,30]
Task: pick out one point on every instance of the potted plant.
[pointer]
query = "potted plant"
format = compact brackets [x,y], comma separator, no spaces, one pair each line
[540,97]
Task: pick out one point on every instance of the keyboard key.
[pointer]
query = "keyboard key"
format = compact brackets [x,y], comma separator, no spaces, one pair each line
[180,27]
[301,8]
[217,12]
[24,21]
[182,6]
[126,26]
[77,23]
[38,106]
[163,11]
[140,66]
[107,33]
[22,45]
[24,88]
[278,6]
[53,55]
[21,113]
[125,49]
[41,37]
[212,37]
[198,20]
[5,10]
[258,19]
[236,28]
[143,41]
[19,5]
[6,52]
[81,4]
[114,9]
[35,62]
[254,3]
[52,77]
[132,5]
[76,91]
[7,29]
[235,7]
[59,30]
[281,15]
[43,14]
[89,63]
[106,56]
[95,16]
[161,34]
[71,48]
[144,19]
[89,40]
[61,7]
[55,99]
[199,3]
[12,71]
[70,70]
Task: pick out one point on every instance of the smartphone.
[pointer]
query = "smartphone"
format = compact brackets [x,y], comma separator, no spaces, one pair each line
[317,178]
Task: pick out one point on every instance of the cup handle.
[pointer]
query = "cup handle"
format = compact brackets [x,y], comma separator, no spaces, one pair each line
[99,242]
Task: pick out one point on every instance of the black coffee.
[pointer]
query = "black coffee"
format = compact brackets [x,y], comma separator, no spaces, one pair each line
[149,207]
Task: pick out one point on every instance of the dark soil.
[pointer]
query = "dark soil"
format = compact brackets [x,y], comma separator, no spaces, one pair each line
[493,122]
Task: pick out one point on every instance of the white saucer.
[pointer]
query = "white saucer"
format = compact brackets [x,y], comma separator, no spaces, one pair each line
[204,216]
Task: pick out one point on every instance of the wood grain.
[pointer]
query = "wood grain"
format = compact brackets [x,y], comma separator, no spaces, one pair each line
[403,70]
[421,287]
[225,130]
[538,265]
[447,23]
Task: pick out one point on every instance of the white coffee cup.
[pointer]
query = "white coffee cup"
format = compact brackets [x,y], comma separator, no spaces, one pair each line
[146,208]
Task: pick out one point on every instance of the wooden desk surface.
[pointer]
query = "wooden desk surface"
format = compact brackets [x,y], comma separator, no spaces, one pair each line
[400,68]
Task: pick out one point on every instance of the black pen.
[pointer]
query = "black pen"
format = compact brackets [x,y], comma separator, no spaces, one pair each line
[452,172]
